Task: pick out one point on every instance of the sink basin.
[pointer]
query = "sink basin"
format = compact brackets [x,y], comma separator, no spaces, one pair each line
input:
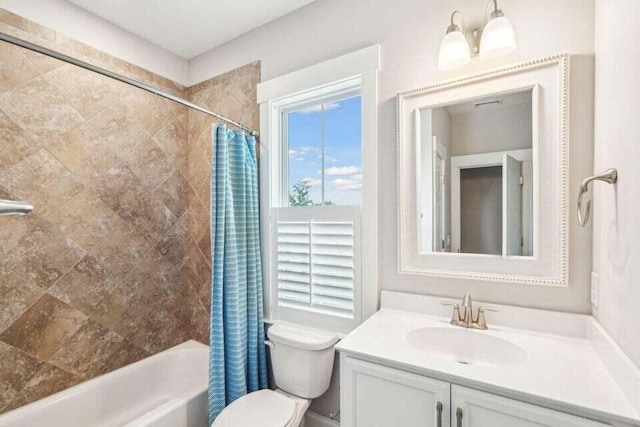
[467,346]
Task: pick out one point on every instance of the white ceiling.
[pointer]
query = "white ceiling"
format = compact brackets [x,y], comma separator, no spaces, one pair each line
[188,28]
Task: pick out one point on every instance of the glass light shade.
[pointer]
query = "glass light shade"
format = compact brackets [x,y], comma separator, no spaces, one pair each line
[454,51]
[497,39]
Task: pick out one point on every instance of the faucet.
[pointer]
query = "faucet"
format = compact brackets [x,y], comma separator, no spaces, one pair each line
[467,320]
[10,207]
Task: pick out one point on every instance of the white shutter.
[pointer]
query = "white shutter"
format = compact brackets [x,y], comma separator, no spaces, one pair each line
[317,264]
[332,267]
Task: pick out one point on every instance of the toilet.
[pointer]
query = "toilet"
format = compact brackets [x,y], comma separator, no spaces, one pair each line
[302,362]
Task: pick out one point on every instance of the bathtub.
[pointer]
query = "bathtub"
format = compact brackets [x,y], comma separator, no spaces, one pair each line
[168,389]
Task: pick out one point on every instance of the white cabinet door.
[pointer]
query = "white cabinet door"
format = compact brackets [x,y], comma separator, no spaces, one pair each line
[377,396]
[472,408]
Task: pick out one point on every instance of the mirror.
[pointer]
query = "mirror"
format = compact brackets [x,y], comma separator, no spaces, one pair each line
[475,170]
[483,173]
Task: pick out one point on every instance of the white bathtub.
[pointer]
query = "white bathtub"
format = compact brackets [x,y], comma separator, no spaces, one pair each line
[168,389]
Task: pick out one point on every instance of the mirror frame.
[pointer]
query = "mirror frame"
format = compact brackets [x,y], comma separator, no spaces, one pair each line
[549,78]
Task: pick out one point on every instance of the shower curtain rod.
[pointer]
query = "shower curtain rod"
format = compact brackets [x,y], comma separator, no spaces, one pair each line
[62,57]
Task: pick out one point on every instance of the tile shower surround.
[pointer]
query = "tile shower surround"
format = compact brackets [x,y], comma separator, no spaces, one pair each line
[113,265]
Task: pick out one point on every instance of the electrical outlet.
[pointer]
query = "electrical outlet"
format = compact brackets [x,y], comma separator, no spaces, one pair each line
[595,288]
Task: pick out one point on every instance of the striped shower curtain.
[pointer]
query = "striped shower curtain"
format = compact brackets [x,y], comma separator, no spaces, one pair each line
[237,360]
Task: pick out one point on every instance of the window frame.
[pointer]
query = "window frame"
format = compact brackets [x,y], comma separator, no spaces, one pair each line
[358,69]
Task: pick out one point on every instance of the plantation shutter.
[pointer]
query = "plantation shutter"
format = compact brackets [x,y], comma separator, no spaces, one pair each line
[317,260]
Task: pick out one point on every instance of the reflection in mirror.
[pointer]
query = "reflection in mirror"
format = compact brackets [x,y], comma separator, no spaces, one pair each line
[476,176]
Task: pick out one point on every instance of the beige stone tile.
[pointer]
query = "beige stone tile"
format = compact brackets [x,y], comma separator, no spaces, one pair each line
[38,107]
[43,63]
[125,309]
[199,219]
[173,141]
[84,50]
[90,93]
[173,245]
[47,381]
[84,286]
[44,327]
[170,86]
[121,190]
[122,132]
[150,164]
[157,331]
[152,111]
[42,180]
[43,255]
[15,144]
[16,296]
[13,228]
[124,354]
[114,243]
[198,272]
[15,68]
[88,351]
[26,25]
[16,369]
[132,71]
[83,152]
[174,193]
[118,186]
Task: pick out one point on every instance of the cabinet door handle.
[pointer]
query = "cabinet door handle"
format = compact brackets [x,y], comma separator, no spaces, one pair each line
[459,417]
[439,408]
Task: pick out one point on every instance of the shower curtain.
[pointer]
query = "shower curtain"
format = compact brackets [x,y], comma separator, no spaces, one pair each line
[237,360]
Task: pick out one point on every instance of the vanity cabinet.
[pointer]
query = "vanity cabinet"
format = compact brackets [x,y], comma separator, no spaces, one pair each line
[377,396]
[479,409]
[374,395]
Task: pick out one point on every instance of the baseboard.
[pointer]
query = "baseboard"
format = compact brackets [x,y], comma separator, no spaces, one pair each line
[315,420]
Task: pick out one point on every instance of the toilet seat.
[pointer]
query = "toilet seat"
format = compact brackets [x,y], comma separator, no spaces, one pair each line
[265,408]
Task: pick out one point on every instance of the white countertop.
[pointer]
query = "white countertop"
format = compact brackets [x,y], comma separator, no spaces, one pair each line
[561,372]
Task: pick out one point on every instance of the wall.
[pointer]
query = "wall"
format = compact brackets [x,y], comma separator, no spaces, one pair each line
[409,34]
[106,270]
[75,24]
[616,248]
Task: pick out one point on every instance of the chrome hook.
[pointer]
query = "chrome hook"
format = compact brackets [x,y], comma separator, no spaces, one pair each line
[609,176]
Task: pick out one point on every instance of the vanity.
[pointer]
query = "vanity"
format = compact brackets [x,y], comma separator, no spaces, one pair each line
[408,366]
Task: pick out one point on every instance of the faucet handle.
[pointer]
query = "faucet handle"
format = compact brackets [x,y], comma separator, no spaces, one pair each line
[481,322]
[456,311]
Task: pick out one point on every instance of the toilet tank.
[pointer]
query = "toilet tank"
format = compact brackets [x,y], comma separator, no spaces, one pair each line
[301,359]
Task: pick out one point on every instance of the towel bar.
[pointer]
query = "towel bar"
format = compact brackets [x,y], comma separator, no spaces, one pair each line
[609,176]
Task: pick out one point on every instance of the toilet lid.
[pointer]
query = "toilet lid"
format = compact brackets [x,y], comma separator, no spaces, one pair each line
[265,408]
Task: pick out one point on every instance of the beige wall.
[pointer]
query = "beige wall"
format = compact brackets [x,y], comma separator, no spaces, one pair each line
[616,216]
[114,263]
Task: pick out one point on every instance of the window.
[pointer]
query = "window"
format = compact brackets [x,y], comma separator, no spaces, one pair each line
[318,183]
[324,158]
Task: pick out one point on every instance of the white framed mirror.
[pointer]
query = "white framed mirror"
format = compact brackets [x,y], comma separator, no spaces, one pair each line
[482,175]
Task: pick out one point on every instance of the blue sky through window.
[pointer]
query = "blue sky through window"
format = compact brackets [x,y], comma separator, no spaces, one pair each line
[342,151]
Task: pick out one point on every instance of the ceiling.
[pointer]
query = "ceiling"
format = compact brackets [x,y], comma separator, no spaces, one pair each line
[188,28]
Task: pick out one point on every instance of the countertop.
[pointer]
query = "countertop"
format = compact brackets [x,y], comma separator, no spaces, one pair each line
[561,372]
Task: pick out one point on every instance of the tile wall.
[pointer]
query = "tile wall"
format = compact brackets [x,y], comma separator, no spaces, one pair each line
[113,265]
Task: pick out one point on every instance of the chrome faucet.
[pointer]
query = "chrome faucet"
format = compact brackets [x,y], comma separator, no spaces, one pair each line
[467,320]
[10,207]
